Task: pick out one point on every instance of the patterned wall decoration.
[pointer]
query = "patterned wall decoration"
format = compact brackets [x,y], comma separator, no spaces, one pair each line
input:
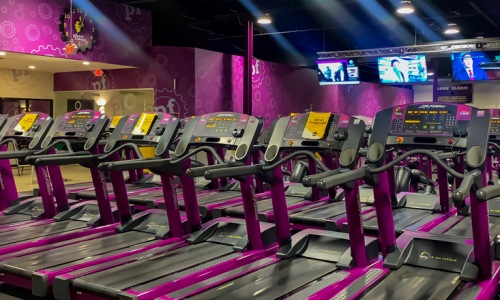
[32,26]
[208,81]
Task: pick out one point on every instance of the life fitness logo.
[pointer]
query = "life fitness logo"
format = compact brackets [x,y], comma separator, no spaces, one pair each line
[258,73]
[170,102]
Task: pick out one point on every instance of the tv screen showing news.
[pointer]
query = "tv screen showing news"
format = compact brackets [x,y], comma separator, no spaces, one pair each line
[341,71]
[476,66]
[400,69]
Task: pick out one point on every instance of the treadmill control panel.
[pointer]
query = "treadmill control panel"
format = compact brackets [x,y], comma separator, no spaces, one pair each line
[114,122]
[151,128]
[32,127]
[228,129]
[495,129]
[84,126]
[431,125]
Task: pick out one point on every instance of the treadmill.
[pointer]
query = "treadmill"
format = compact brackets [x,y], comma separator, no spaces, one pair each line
[65,223]
[311,259]
[425,265]
[217,247]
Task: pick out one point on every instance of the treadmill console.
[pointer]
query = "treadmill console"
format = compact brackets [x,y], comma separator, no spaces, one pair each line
[495,129]
[315,131]
[228,129]
[78,127]
[145,129]
[31,127]
[439,126]
[114,122]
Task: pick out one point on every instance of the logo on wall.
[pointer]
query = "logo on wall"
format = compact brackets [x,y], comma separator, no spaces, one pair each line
[258,73]
[77,29]
[104,82]
[19,80]
[170,102]
[133,18]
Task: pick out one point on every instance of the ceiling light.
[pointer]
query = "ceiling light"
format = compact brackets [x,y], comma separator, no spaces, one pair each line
[452,28]
[101,101]
[265,19]
[430,73]
[405,7]
[31,67]
[3,53]
[86,63]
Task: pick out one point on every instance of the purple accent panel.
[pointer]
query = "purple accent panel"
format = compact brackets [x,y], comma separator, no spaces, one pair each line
[8,189]
[391,177]
[211,162]
[429,168]
[120,192]
[45,188]
[190,199]
[247,68]
[312,171]
[32,27]
[354,219]
[140,172]
[58,188]
[279,208]
[102,196]
[129,155]
[16,280]
[383,207]
[444,198]
[429,226]
[250,212]
[481,235]
[259,184]
[172,205]
[488,288]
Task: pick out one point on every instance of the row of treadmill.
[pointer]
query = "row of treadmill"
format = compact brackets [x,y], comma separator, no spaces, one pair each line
[308,208]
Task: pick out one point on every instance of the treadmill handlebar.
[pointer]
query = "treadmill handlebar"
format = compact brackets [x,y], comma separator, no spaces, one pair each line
[343,177]
[488,193]
[49,147]
[134,164]
[233,172]
[462,192]
[9,140]
[67,160]
[311,180]
[33,159]
[200,171]
[121,147]
[446,155]
[16,154]
[494,145]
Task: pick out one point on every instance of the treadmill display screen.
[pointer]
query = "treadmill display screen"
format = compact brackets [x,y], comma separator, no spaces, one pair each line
[424,120]
[217,125]
[26,122]
[308,126]
[495,126]
[76,122]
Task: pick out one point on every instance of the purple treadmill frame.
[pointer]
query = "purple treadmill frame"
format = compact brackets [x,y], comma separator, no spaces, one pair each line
[8,190]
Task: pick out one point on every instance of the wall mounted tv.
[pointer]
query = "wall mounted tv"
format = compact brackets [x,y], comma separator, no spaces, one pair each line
[339,71]
[476,66]
[402,69]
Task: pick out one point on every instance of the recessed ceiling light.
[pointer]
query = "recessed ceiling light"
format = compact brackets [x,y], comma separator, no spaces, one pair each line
[452,28]
[86,63]
[265,19]
[405,7]
[3,53]
[31,67]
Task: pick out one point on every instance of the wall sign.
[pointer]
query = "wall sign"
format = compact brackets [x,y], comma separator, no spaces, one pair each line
[453,93]
[77,29]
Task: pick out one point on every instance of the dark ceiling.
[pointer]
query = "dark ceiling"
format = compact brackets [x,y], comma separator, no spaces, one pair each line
[301,28]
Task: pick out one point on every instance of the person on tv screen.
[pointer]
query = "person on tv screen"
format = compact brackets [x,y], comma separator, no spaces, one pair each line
[328,73]
[394,74]
[469,71]
[341,73]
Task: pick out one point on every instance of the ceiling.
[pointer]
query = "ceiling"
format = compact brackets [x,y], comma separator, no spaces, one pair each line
[21,61]
[301,28]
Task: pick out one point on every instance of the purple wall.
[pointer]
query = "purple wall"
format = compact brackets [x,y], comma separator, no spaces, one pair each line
[209,81]
[32,26]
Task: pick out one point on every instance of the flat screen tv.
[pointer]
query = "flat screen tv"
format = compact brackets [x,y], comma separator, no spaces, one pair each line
[339,71]
[475,66]
[402,69]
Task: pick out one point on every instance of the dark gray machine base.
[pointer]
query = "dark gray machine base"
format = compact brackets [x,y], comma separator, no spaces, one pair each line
[411,283]
[37,232]
[403,218]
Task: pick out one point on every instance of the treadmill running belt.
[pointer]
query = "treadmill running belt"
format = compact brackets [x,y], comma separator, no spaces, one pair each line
[41,260]
[403,217]
[412,283]
[271,282]
[464,227]
[9,219]
[113,281]
[36,232]
[214,197]
[262,206]
[90,193]
[319,214]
